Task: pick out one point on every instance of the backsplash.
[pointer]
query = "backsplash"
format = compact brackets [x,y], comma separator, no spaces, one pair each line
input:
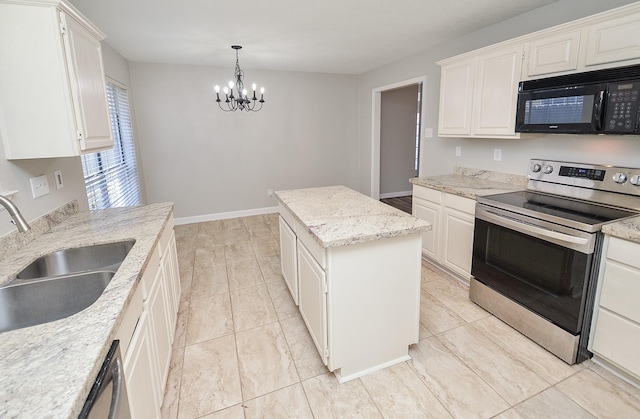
[510,178]
[16,240]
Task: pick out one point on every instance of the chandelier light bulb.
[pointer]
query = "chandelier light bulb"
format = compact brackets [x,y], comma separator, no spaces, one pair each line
[241,101]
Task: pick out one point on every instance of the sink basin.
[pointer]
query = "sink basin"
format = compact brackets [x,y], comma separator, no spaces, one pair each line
[77,259]
[59,284]
[42,301]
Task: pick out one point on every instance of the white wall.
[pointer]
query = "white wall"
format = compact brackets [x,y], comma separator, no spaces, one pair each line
[210,162]
[438,154]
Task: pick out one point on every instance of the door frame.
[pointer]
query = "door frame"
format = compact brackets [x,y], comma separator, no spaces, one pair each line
[376,97]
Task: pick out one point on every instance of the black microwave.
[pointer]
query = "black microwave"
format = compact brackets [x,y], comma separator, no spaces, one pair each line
[596,102]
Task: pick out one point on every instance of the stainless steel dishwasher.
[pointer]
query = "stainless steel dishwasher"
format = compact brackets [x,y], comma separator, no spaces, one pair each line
[108,396]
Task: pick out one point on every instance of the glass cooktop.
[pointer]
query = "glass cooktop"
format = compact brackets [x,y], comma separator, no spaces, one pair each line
[556,206]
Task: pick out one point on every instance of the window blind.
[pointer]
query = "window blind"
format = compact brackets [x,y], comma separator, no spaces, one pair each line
[111,176]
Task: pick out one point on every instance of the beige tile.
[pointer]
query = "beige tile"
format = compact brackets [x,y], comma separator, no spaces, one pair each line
[270,268]
[211,226]
[186,231]
[265,361]
[511,414]
[211,255]
[303,350]
[328,399]
[282,300]
[551,403]
[171,399]
[455,297]
[456,386]
[424,333]
[265,247]
[435,316]
[210,378]
[180,335]
[229,237]
[209,239]
[252,307]
[209,318]
[186,279]
[209,280]
[233,412]
[244,273]
[542,362]
[600,397]
[611,377]
[289,402]
[503,372]
[239,250]
[399,393]
[430,272]
[232,224]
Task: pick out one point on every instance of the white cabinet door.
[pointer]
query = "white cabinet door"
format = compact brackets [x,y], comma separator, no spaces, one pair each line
[614,40]
[553,54]
[496,93]
[458,241]
[139,367]
[86,74]
[429,212]
[157,307]
[289,258]
[313,299]
[456,98]
[169,264]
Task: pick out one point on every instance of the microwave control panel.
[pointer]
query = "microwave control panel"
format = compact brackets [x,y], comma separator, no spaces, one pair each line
[622,116]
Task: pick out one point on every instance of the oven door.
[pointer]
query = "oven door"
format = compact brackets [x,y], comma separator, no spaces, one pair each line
[540,265]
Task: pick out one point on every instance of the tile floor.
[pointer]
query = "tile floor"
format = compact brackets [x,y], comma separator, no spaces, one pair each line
[242,350]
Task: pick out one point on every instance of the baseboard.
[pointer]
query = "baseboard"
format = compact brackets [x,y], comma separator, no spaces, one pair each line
[395,194]
[224,215]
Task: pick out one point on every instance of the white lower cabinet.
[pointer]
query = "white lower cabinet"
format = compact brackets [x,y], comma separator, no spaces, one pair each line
[147,330]
[360,302]
[450,240]
[289,258]
[615,330]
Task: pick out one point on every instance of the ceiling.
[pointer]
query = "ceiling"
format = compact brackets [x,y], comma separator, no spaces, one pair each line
[332,36]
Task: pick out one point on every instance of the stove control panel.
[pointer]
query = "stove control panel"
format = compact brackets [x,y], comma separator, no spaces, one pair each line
[623,180]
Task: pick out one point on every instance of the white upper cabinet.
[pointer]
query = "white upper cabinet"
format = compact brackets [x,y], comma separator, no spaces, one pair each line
[478,94]
[52,91]
[456,93]
[552,54]
[614,41]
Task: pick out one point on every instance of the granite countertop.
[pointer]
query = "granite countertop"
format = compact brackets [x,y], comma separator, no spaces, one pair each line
[48,369]
[628,229]
[339,216]
[471,183]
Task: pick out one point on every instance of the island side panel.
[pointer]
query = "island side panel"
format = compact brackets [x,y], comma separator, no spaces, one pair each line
[373,304]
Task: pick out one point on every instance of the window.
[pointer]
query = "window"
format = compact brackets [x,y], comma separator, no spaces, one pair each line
[111,176]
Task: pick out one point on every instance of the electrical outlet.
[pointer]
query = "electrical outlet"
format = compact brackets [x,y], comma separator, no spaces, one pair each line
[458,151]
[39,186]
[497,154]
[269,192]
[428,132]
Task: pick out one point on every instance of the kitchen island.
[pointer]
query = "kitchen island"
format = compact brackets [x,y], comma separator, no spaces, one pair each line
[353,266]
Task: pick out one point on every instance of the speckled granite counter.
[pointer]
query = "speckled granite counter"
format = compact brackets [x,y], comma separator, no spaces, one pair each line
[470,183]
[628,229]
[338,216]
[48,370]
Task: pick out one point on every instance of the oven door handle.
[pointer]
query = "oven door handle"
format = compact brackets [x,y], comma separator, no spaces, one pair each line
[525,227]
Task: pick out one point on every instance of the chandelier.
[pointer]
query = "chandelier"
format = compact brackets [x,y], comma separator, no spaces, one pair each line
[241,102]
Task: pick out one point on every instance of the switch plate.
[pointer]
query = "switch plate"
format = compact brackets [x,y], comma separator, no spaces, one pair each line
[269,192]
[458,151]
[57,176]
[497,154]
[428,132]
[39,186]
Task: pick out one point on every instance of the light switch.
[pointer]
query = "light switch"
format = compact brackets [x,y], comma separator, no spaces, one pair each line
[458,151]
[497,154]
[39,186]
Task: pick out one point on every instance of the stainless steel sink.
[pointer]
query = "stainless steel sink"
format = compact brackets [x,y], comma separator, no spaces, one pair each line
[59,284]
[45,300]
[77,259]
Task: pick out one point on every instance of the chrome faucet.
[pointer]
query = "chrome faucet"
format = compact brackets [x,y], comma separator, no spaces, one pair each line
[14,212]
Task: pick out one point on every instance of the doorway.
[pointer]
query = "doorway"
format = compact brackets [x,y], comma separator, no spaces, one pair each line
[396,141]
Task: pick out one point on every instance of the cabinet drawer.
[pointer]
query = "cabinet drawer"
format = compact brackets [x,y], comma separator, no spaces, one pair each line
[620,290]
[165,238]
[288,217]
[460,203]
[427,194]
[623,251]
[618,340]
[314,248]
[129,321]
